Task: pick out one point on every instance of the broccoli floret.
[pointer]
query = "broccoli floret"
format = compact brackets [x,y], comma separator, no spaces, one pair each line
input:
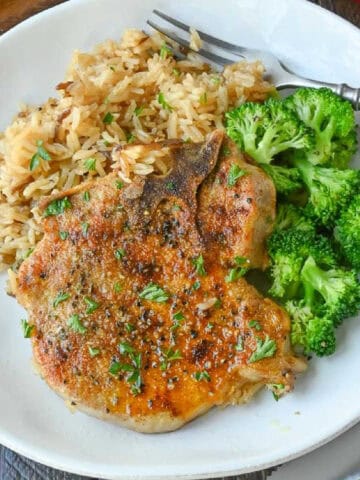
[286,180]
[333,121]
[311,332]
[339,290]
[290,216]
[347,232]
[288,250]
[330,189]
[264,130]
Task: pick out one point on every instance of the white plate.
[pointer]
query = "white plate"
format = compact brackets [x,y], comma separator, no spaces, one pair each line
[33,420]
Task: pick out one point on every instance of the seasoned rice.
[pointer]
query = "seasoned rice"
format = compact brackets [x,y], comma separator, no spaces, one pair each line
[132,91]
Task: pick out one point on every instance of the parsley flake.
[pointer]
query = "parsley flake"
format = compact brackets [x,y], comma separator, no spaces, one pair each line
[93,351]
[60,298]
[238,271]
[165,51]
[196,285]
[198,262]
[170,186]
[63,235]
[164,103]
[178,319]
[119,184]
[76,325]
[133,369]
[277,390]
[170,356]
[130,138]
[86,196]
[117,287]
[235,173]
[138,110]
[204,375]
[119,253]
[41,153]
[84,228]
[264,348]
[90,164]
[239,347]
[57,207]
[176,72]
[155,293]
[129,327]
[92,305]
[255,324]
[26,328]
[109,118]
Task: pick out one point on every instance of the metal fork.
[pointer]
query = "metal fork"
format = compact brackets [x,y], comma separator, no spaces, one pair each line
[281,76]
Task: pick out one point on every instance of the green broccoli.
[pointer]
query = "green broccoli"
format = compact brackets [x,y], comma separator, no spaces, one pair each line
[288,250]
[347,232]
[286,180]
[311,332]
[339,290]
[290,216]
[332,119]
[330,190]
[264,130]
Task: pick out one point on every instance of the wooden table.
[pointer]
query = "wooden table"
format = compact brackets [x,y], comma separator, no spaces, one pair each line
[12,465]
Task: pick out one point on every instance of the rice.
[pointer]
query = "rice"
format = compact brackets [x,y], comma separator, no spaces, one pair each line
[132,91]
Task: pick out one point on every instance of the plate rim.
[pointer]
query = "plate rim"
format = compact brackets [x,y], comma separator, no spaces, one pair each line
[39,454]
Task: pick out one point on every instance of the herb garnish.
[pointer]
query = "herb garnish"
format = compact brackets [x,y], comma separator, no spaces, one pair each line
[60,298]
[133,369]
[119,184]
[176,72]
[117,287]
[90,164]
[75,324]
[129,327]
[86,196]
[84,228]
[204,375]
[237,272]
[41,153]
[164,103]
[170,186]
[170,356]
[138,110]
[264,348]
[198,262]
[239,347]
[235,173]
[57,207]
[26,328]
[178,319]
[196,285]
[209,327]
[155,293]
[165,51]
[255,324]
[130,138]
[93,351]
[109,118]
[92,305]
[119,253]
[277,389]
[63,235]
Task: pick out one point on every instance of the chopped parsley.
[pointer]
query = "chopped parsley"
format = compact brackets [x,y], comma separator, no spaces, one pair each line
[209,327]
[178,319]
[204,375]
[90,164]
[117,287]
[239,347]
[165,51]
[176,208]
[129,327]
[198,262]
[155,293]
[196,285]
[170,186]
[215,80]
[86,196]
[164,103]
[28,252]
[93,351]
[138,110]
[76,325]
[170,356]
[264,348]
[63,235]
[26,328]
[130,138]
[132,369]
[277,390]
[92,305]
[176,72]
[255,324]
[203,99]
[235,173]
[217,303]
[60,298]
[238,271]
[119,253]
[57,207]
[84,228]
[119,184]
[41,153]
[109,118]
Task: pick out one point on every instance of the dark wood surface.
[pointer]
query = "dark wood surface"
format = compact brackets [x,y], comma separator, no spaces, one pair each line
[12,465]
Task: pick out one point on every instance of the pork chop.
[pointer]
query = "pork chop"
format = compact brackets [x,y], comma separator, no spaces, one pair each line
[141,312]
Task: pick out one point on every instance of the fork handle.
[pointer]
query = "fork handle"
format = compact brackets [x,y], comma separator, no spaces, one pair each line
[342,89]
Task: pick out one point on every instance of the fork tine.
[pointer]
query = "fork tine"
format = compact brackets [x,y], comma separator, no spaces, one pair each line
[204,36]
[184,43]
